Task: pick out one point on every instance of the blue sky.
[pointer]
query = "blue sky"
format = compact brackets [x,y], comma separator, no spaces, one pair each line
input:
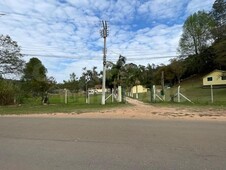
[64,34]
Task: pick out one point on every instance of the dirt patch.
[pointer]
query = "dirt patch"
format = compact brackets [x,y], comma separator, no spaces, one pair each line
[140,110]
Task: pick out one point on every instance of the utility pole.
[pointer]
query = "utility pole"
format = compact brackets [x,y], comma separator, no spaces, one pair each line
[104,33]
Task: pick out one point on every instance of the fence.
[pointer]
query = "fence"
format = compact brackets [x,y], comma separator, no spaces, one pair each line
[65,96]
[196,94]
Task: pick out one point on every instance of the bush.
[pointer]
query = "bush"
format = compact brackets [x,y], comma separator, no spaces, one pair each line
[7,92]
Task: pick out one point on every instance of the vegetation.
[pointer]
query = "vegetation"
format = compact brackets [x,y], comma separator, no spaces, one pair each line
[34,80]
[202,49]
[196,33]
[76,105]
[10,56]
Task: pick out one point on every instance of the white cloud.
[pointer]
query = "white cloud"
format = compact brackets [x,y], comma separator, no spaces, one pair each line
[162,9]
[197,5]
[48,28]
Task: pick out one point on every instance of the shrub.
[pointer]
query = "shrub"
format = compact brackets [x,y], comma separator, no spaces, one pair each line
[7,92]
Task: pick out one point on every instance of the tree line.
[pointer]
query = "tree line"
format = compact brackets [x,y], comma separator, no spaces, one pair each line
[201,49]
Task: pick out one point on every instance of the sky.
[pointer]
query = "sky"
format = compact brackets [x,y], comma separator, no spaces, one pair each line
[65,34]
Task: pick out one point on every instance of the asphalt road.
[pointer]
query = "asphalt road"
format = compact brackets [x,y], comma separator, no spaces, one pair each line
[102,144]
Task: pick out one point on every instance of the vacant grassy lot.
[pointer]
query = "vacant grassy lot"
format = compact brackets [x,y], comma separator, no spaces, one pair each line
[75,104]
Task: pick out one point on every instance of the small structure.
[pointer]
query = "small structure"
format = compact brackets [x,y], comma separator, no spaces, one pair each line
[138,89]
[216,77]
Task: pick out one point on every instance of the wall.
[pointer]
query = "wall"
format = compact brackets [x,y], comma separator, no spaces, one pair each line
[216,78]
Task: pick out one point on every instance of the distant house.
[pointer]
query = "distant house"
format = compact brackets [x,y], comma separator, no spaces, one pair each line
[216,77]
[138,89]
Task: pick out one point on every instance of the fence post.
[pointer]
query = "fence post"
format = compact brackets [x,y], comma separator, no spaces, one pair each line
[211,90]
[137,97]
[154,94]
[119,94]
[65,96]
[178,94]
[112,95]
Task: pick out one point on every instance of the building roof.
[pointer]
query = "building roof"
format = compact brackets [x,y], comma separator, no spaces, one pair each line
[223,71]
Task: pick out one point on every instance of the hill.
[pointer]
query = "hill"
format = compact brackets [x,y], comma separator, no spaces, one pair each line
[192,88]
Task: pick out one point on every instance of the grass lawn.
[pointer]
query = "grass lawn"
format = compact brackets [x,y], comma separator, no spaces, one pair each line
[76,104]
[55,108]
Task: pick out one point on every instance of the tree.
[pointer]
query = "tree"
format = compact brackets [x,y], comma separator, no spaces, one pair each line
[35,79]
[89,78]
[72,84]
[146,76]
[7,92]
[220,51]
[169,75]
[117,71]
[178,68]
[10,56]
[219,14]
[219,11]
[132,75]
[196,34]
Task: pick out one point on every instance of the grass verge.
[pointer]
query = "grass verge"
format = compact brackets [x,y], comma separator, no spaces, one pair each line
[56,108]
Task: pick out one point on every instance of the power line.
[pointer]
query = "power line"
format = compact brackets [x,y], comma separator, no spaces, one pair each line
[97,58]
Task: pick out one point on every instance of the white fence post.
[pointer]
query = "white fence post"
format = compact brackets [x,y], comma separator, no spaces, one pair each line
[211,89]
[178,94]
[119,94]
[112,95]
[137,97]
[154,93]
[65,96]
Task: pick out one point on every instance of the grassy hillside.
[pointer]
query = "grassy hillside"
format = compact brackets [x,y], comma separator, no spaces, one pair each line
[193,89]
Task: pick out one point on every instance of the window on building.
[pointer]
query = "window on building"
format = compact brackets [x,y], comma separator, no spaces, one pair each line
[223,77]
[209,78]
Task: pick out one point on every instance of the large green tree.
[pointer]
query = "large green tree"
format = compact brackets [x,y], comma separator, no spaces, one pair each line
[219,14]
[35,79]
[196,34]
[116,72]
[220,52]
[10,56]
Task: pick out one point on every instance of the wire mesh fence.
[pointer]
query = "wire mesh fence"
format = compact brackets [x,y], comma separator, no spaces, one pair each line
[199,95]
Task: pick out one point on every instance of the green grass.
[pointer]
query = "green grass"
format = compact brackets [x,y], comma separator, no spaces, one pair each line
[55,108]
[76,104]
[192,88]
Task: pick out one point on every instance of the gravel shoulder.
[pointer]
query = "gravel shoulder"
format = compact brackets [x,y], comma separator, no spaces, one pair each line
[140,110]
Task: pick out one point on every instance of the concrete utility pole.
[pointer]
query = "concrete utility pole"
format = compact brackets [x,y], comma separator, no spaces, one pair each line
[104,33]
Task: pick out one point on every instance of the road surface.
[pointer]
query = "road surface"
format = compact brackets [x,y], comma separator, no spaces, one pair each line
[75,143]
